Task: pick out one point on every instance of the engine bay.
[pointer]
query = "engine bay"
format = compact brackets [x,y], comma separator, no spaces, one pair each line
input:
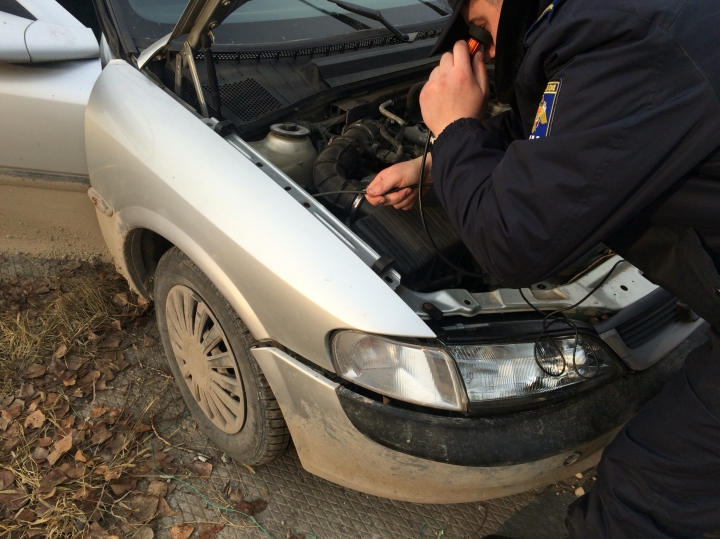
[338,138]
[347,151]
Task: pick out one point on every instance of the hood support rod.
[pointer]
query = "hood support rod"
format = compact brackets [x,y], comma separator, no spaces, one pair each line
[186,58]
[206,41]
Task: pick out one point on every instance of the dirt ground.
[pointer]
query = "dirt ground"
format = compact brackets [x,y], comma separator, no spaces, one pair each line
[95,440]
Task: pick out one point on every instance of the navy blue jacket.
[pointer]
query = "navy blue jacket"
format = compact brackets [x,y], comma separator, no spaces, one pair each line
[616,136]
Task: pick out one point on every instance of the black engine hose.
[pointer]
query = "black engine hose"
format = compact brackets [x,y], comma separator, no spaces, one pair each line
[338,160]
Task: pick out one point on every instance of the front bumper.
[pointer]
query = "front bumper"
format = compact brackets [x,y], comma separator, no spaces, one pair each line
[330,445]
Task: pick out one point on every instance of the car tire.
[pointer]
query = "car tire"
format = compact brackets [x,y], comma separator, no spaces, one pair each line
[208,350]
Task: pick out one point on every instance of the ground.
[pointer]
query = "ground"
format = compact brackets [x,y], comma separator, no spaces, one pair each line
[98,443]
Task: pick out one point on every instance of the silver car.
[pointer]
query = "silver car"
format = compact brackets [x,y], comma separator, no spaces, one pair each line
[227,144]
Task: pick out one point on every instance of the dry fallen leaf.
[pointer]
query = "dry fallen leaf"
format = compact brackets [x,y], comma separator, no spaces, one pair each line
[164,510]
[34,371]
[97,411]
[80,457]
[14,499]
[123,486]
[181,531]
[121,299]
[51,480]
[8,414]
[101,435]
[143,507]
[40,453]
[71,266]
[244,507]
[26,390]
[113,473]
[74,470]
[157,488]
[60,352]
[259,505]
[144,533]
[44,442]
[116,325]
[35,420]
[113,341]
[204,469]
[61,446]
[208,530]
[25,515]
[148,341]
[6,479]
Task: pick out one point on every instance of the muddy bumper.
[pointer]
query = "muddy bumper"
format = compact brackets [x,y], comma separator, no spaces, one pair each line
[407,455]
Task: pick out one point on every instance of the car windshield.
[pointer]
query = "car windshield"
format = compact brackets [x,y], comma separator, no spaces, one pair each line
[266,22]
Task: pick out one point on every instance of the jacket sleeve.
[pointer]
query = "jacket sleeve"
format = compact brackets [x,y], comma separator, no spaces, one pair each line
[632,116]
[506,126]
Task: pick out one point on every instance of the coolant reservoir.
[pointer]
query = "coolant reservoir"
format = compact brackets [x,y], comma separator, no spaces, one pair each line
[289,148]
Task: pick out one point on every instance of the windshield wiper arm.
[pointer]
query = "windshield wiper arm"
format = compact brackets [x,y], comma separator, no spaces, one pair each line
[353,23]
[375,15]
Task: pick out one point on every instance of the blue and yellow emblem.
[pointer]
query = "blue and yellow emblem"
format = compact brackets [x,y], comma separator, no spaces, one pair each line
[546,110]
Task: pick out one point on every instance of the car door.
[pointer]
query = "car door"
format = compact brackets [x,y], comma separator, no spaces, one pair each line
[48,66]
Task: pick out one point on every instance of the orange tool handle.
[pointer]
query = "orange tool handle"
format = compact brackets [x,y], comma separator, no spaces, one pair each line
[473,46]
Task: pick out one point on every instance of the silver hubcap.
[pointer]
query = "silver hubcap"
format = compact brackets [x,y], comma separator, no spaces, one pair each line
[205,359]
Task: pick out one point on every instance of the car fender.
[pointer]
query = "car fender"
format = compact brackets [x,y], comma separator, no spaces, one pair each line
[158,165]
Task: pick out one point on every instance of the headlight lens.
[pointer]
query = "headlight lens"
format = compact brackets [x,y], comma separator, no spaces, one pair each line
[413,373]
[509,372]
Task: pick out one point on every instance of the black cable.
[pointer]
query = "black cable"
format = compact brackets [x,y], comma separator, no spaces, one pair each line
[553,315]
[364,191]
[424,224]
[569,323]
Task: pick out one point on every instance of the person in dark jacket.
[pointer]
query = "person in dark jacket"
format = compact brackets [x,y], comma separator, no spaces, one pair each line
[613,137]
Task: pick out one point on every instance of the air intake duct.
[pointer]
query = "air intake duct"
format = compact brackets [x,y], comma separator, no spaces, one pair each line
[336,163]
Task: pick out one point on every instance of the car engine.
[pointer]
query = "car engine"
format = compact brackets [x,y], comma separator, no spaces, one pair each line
[341,155]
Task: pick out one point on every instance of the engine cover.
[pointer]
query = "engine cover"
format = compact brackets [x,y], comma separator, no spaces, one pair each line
[399,234]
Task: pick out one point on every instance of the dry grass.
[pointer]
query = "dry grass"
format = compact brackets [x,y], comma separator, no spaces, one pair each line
[61,327]
[72,315]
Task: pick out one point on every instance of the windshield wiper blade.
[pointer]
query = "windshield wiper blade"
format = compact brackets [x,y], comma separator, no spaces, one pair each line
[352,23]
[375,15]
[436,9]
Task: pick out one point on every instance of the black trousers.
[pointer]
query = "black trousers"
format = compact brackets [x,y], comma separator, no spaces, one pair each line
[660,477]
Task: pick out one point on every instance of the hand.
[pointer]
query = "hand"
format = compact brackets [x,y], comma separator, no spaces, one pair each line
[457,88]
[398,175]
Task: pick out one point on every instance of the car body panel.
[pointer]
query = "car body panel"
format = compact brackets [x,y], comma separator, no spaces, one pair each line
[156,162]
[51,12]
[329,446]
[12,38]
[48,42]
[43,112]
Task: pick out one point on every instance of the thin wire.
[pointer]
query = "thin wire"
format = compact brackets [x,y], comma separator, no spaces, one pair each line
[364,191]
[430,524]
[554,315]
[200,493]
[424,223]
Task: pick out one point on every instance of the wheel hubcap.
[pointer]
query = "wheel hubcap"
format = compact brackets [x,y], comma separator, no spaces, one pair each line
[205,359]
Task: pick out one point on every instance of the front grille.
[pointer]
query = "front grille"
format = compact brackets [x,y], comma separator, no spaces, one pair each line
[639,330]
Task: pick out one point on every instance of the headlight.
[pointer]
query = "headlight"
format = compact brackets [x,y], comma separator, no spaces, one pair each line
[419,374]
[505,374]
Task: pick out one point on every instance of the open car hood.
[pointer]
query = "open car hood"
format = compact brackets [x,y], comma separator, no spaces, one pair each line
[198,17]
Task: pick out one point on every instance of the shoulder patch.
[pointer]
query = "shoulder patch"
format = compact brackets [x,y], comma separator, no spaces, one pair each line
[546,110]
